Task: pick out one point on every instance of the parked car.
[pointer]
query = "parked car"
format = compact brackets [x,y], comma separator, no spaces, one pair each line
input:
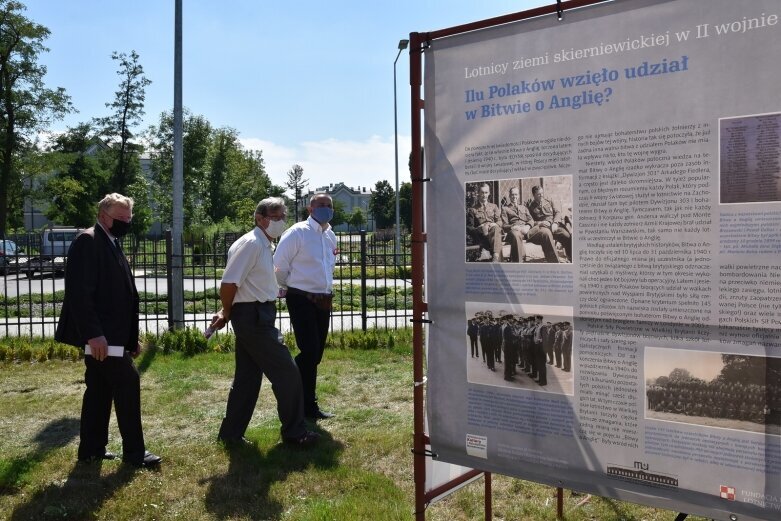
[12,259]
[55,243]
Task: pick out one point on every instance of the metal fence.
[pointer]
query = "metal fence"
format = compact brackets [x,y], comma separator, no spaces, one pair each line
[372,286]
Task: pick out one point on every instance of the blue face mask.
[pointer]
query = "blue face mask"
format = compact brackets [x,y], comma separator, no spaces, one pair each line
[322,214]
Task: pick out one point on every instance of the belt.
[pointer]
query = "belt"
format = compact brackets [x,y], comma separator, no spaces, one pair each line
[255,303]
[296,291]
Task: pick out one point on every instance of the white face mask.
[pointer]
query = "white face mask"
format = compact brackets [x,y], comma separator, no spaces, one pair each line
[275,228]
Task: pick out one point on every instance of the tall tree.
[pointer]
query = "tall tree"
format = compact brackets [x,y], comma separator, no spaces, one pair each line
[382,205]
[746,368]
[26,105]
[222,180]
[196,140]
[127,111]
[405,205]
[296,183]
[81,177]
[357,219]
[224,155]
[340,216]
[249,183]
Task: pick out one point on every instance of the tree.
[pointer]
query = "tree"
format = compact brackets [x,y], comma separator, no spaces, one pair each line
[81,176]
[128,109]
[296,183]
[26,105]
[357,219]
[222,180]
[196,142]
[382,205]
[405,205]
[247,181]
[746,368]
[340,217]
[223,151]
[680,375]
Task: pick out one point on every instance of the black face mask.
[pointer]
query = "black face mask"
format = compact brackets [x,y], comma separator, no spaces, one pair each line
[119,228]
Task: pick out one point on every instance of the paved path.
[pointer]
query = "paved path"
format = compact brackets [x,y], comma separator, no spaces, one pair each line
[392,319]
[13,285]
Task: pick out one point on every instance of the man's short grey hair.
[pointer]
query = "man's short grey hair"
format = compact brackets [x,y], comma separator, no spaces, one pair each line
[269,204]
[321,194]
[115,199]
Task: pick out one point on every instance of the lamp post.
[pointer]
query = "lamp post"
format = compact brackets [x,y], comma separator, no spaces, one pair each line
[402,45]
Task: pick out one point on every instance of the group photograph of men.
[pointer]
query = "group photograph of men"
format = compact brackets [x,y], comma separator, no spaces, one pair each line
[528,349]
[519,220]
[734,391]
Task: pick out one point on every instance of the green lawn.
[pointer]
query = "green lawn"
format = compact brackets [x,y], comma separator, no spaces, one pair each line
[361,471]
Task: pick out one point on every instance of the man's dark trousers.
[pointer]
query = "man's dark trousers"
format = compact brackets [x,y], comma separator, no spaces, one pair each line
[259,352]
[115,377]
[310,326]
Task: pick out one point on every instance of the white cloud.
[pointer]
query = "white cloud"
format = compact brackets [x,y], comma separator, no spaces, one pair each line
[354,163]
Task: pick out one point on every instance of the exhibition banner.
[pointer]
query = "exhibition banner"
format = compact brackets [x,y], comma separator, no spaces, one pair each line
[603,275]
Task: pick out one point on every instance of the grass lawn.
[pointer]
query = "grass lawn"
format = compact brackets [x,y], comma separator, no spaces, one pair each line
[362,470]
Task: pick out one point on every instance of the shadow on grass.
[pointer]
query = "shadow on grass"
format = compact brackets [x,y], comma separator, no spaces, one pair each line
[147,357]
[54,435]
[81,493]
[243,491]
[79,496]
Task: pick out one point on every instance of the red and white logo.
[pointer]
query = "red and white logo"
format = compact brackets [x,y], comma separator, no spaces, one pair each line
[728,493]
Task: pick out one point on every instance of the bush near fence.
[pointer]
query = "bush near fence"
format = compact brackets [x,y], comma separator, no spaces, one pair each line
[191,342]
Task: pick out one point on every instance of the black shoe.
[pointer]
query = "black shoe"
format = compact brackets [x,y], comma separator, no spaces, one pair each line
[236,443]
[307,439]
[318,415]
[149,460]
[105,456]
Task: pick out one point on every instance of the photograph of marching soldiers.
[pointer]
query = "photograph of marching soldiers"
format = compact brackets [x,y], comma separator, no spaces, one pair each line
[527,348]
[731,391]
[519,220]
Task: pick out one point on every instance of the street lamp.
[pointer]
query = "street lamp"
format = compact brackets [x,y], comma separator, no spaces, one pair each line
[402,45]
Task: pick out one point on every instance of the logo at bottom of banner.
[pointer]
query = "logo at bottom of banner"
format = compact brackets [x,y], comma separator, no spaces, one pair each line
[477,446]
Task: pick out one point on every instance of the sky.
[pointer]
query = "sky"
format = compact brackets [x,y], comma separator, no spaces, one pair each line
[700,364]
[307,82]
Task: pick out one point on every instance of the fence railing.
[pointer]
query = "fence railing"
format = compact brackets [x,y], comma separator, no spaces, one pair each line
[372,283]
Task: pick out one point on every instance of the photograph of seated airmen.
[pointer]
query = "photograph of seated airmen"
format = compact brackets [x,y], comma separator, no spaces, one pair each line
[725,390]
[535,223]
[528,348]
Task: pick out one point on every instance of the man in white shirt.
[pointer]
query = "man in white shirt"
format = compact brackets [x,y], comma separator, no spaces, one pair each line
[248,292]
[304,262]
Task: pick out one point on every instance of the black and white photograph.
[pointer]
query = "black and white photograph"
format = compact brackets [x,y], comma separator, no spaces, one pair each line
[726,390]
[750,159]
[520,346]
[526,220]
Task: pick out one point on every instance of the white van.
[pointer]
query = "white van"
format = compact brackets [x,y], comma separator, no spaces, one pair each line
[56,241]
